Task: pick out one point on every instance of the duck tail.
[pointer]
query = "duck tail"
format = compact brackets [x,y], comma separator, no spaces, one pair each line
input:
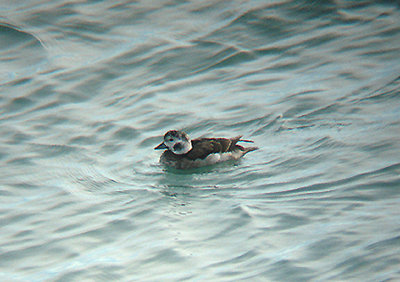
[236,139]
[249,149]
[233,142]
[245,140]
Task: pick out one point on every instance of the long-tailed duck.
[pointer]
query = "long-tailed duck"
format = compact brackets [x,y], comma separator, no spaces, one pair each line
[183,153]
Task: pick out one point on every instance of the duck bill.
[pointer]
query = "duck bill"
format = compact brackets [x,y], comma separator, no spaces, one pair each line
[160,147]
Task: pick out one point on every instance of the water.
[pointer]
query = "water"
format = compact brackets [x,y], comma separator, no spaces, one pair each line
[89,88]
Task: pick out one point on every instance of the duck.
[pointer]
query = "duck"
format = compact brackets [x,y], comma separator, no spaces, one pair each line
[180,152]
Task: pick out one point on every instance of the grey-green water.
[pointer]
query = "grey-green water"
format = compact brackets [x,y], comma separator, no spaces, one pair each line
[89,88]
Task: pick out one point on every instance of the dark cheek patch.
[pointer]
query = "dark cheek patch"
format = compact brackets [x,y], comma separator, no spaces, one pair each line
[178,146]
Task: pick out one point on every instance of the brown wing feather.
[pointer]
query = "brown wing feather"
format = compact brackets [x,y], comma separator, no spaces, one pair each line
[202,147]
[200,150]
[221,145]
[234,140]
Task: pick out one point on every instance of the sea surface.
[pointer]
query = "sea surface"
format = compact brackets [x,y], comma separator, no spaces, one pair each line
[88,89]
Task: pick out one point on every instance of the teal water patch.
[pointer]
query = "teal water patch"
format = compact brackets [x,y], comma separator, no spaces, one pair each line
[22,53]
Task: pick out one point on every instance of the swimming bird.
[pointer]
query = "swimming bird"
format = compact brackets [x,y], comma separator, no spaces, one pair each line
[183,153]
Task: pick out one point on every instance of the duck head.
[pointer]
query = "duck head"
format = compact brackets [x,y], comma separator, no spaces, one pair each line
[178,142]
